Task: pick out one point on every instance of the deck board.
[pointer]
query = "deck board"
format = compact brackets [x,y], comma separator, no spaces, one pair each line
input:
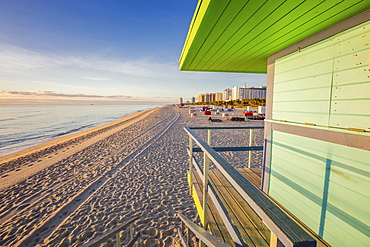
[246,212]
[252,230]
[252,174]
[215,223]
[247,228]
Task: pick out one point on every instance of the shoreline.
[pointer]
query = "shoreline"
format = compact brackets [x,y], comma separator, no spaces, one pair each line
[65,138]
[31,125]
[84,138]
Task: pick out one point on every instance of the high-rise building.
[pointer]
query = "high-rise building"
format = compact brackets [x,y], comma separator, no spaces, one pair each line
[180,100]
[259,92]
[239,93]
[207,98]
[192,99]
[202,98]
[219,97]
[212,97]
[236,93]
[227,94]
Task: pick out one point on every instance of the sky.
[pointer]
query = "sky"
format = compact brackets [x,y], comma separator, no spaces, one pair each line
[101,51]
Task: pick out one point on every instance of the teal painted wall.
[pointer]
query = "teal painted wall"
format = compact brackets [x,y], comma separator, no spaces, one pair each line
[325,185]
[350,105]
[327,83]
[302,85]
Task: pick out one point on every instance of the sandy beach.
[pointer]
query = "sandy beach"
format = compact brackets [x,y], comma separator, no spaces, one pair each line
[72,189]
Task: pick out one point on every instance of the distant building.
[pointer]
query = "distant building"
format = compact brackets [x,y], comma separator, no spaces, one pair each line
[180,100]
[219,97]
[259,92]
[207,98]
[192,99]
[237,93]
[227,94]
[201,98]
[212,97]
[240,93]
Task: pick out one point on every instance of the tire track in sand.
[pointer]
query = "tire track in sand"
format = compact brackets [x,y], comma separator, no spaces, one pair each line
[9,234]
[48,227]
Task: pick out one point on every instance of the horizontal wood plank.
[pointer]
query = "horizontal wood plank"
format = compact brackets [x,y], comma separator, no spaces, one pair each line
[249,230]
[215,223]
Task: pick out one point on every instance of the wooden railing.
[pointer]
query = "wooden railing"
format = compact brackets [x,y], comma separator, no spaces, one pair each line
[116,232]
[282,226]
[204,236]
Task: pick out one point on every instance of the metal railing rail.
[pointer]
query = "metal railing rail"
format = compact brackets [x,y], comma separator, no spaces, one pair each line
[200,233]
[117,233]
[250,148]
[225,149]
[280,223]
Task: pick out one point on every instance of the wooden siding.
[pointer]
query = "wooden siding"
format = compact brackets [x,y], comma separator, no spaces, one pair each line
[350,107]
[325,185]
[302,85]
[327,83]
[239,36]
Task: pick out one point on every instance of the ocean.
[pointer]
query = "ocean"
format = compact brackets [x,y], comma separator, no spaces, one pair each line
[23,126]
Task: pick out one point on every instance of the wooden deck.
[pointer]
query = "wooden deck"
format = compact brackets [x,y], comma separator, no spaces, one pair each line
[252,230]
[229,214]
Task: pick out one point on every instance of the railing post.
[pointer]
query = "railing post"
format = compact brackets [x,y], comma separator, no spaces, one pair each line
[188,236]
[131,231]
[209,137]
[205,184]
[182,226]
[205,188]
[250,144]
[205,191]
[118,239]
[191,164]
[273,240]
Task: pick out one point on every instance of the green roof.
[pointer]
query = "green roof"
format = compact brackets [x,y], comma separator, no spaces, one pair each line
[239,35]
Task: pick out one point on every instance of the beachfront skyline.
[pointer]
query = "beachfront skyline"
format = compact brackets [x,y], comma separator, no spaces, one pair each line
[100,52]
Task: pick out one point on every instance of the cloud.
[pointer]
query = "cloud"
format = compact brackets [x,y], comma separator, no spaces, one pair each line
[98,79]
[53,98]
[25,69]
[54,94]
[12,57]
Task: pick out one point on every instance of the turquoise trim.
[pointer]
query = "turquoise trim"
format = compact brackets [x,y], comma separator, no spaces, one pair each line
[355,223]
[325,198]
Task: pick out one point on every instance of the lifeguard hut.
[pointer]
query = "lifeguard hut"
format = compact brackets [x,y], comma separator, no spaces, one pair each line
[317,128]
